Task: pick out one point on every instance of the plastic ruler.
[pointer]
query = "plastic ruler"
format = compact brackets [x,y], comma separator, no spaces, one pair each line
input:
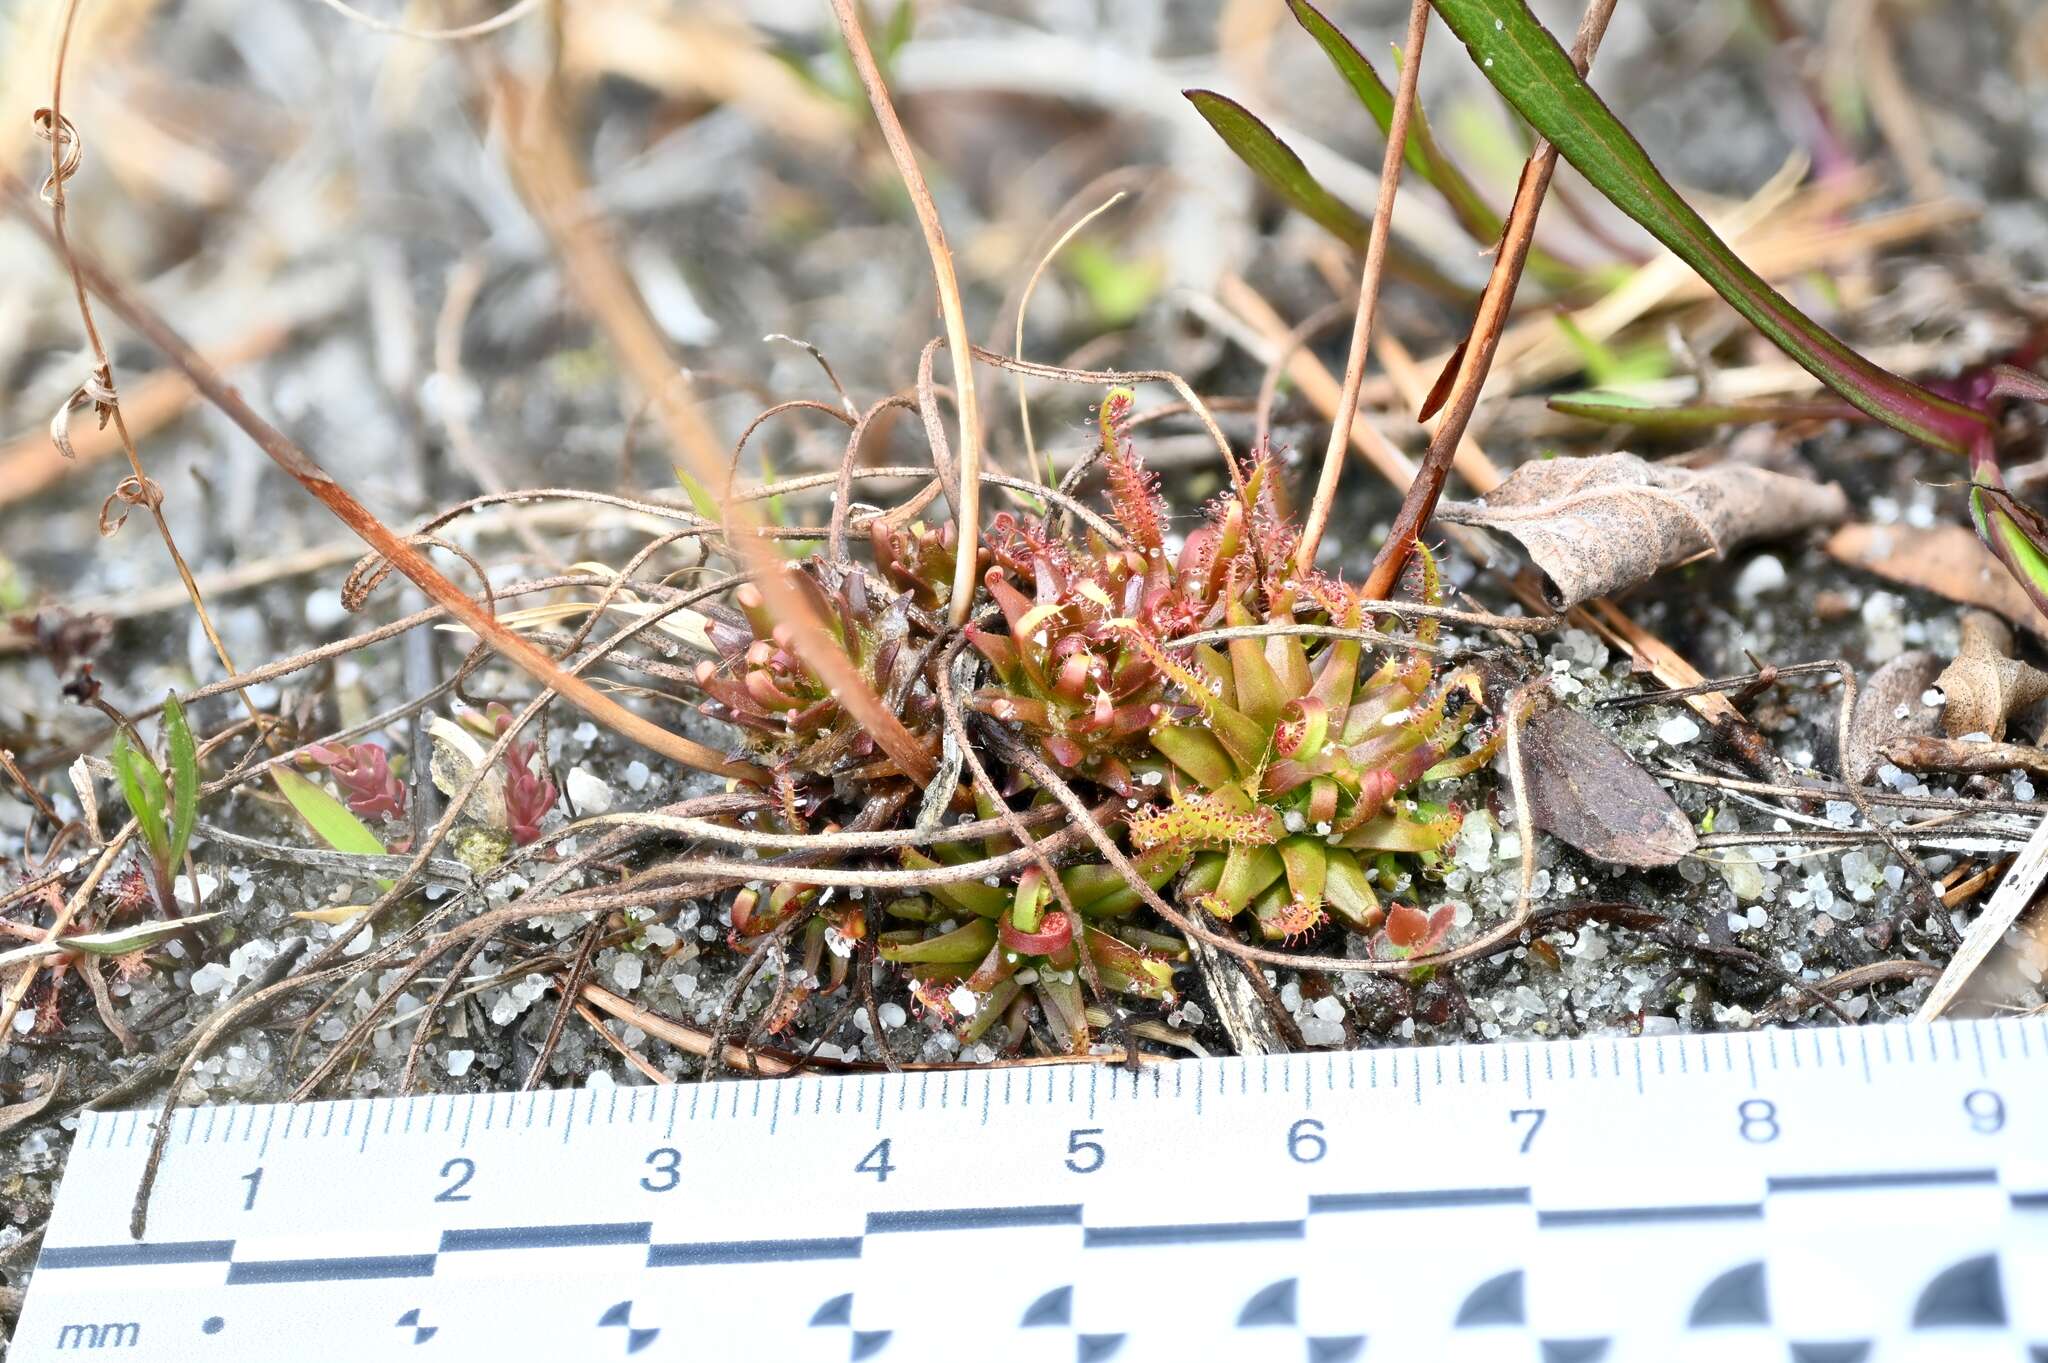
[1818,1196]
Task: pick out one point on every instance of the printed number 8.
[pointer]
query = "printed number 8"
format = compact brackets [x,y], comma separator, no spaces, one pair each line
[1759,1120]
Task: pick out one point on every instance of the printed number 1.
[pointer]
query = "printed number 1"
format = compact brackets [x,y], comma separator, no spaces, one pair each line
[254,1178]
[876,1162]
[1535,1116]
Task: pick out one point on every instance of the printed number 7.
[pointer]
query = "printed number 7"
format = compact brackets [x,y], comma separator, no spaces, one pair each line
[1535,1116]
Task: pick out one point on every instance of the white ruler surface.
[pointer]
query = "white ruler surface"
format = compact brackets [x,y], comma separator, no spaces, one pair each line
[1856,1195]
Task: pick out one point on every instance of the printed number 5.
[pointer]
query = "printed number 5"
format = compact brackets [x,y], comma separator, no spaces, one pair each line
[1085,1157]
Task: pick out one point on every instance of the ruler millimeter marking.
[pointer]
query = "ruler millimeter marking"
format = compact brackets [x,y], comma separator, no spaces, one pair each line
[1885,1183]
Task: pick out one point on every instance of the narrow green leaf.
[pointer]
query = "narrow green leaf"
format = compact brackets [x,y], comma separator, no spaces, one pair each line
[2016,532]
[136,938]
[184,755]
[142,786]
[1524,62]
[328,817]
[1275,162]
[1610,367]
[1423,154]
[116,943]
[1619,409]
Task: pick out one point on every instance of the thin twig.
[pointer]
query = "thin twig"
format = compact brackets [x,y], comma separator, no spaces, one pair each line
[1368,295]
[1420,501]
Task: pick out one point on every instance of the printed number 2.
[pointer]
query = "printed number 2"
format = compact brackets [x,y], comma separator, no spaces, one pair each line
[1535,1116]
[876,1162]
[462,1169]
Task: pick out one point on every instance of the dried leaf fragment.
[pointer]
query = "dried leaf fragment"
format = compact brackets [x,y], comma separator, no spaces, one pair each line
[1953,756]
[98,390]
[1585,790]
[1600,525]
[1985,685]
[1889,708]
[1948,560]
[28,1110]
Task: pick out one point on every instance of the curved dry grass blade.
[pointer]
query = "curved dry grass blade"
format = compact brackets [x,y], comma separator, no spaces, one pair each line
[967,512]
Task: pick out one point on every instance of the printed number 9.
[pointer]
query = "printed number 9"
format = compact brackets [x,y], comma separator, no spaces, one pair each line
[1986,1109]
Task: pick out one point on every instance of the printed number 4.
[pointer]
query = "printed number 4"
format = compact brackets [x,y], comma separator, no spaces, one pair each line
[1535,1117]
[876,1162]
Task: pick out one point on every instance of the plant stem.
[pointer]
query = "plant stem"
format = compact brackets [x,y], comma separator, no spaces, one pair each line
[402,555]
[549,176]
[1368,294]
[1420,502]
[147,492]
[967,514]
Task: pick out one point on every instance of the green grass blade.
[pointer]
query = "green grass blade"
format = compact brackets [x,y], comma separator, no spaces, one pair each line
[1526,65]
[184,754]
[1617,409]
[1424,155]
[1273,161]
[142,786]
[328,817]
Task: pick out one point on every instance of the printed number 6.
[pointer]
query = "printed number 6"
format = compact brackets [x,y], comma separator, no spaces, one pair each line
[1305,1141]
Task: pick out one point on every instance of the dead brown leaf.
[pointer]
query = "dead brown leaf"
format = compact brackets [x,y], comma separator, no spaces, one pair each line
[1584,789]
[1601,525]
[1890,707]
[27,1111]
[1948,560]
[1953,756]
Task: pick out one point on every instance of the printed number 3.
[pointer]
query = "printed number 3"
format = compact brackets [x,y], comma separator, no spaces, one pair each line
[667,1164]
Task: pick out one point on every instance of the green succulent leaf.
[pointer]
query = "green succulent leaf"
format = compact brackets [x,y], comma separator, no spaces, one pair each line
[964,945]
[968,896]
[184,755]
[142,786]
[1273,161]
[1534,74]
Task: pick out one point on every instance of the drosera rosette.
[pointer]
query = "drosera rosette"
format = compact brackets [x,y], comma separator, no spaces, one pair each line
[1294,776]
[1065,670]
[513,798]
[787,719]
[981,954]
[362,773]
